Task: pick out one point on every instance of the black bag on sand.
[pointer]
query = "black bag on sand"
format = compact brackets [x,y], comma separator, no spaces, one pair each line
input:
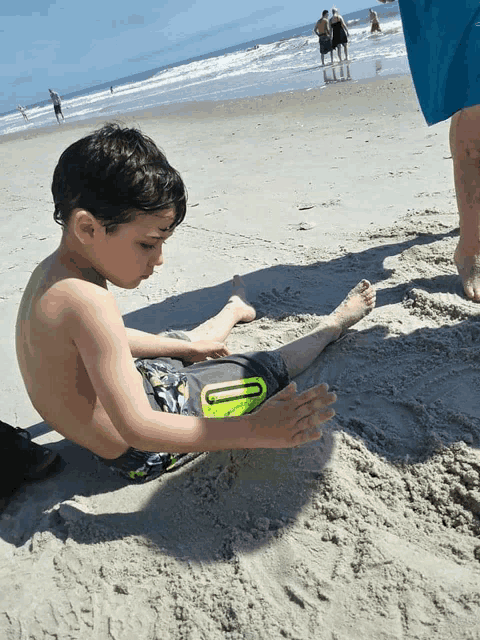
[21,461]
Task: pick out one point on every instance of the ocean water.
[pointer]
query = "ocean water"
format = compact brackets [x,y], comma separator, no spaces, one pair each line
[283,64]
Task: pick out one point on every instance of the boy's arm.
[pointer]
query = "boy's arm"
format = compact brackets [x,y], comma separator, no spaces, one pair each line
[96,328]
[150,345]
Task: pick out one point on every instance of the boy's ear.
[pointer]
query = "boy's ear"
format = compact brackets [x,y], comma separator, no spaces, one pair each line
[84,225]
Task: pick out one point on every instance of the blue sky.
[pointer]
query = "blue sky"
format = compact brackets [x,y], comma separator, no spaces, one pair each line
[69,45]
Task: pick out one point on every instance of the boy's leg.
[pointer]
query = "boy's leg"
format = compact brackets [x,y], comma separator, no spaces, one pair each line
[234,385]
[236,310]
[299,354]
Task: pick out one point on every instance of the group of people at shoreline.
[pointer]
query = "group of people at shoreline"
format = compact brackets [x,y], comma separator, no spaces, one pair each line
[333,34]
[57,106]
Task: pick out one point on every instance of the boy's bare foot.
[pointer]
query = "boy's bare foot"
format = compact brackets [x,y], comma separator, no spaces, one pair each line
[358,303]
[246,313]
[468,267]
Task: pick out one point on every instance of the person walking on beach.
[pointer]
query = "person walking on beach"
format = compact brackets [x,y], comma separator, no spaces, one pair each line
[127,395]
[374,20]
[444,64]
[23,111]
[339,33]
[322,30]
[57,105]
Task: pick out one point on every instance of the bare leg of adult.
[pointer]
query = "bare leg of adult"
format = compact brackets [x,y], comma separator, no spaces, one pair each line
[465,149]
[299,354]
[236,310]
[346,51]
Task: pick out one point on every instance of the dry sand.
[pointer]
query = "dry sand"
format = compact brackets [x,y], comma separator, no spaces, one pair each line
[371,533]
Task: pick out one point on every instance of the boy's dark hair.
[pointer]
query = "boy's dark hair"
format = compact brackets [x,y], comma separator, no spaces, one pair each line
[324,13]
[113,173]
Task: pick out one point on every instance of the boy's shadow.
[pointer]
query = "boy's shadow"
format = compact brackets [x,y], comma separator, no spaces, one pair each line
[202,511]
[284,290]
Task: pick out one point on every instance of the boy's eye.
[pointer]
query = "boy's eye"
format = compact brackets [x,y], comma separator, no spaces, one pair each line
[147,246]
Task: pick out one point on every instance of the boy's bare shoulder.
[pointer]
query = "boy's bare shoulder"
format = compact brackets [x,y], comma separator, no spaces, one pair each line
[77,288]
[74,295]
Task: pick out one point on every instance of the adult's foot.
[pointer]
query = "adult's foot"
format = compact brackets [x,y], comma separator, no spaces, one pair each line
[246,313]
[358,304]
[468,267]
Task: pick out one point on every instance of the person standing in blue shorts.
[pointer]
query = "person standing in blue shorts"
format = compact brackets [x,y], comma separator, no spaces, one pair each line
[443,52]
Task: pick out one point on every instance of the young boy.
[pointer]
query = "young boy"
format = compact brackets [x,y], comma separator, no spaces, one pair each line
[124,394]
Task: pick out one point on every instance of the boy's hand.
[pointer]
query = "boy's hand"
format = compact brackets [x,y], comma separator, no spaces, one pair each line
[288,419]
[206,350]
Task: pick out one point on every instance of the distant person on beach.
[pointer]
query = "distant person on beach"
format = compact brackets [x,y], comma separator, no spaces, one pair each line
[374,20]
[22,460]
[322,30]
[111,89]
[57,105]
[339,34]
[451,87]
[23,111]
[125,394]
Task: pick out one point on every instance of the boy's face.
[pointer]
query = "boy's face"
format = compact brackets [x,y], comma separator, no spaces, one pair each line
[129,254]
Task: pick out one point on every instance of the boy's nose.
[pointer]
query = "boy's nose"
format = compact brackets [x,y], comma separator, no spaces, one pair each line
[158,260]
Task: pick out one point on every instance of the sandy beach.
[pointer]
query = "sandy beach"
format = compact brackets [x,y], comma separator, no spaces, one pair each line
[370,533]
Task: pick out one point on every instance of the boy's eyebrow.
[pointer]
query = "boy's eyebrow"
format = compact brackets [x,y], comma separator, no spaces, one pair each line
[157,237]
[170,228]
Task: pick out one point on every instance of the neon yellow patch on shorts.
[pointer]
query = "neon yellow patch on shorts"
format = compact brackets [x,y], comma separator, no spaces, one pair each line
[233,398]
